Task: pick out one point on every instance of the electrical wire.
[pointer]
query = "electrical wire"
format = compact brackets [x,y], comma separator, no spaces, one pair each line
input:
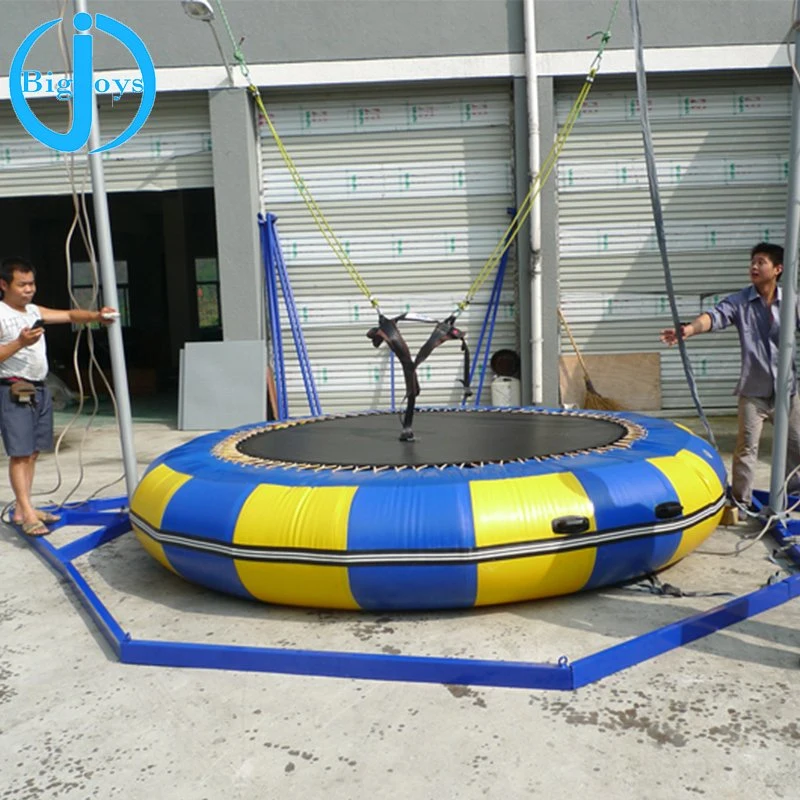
[768,523]
[81,221]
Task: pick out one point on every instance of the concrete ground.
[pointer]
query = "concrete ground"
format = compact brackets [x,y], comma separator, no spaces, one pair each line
[717,718]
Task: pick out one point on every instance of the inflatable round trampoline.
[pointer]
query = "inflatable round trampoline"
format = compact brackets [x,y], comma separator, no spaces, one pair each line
[485,506]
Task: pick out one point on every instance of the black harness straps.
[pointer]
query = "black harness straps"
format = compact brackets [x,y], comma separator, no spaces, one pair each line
[388,331]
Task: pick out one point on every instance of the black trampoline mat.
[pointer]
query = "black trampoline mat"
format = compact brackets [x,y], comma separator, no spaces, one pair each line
[441,437]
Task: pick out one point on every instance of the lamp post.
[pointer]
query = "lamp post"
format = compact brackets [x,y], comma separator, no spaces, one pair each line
[202,10]
[109,285]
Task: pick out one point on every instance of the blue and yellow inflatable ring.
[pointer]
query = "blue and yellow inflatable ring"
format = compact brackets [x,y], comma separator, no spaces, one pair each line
[411,534]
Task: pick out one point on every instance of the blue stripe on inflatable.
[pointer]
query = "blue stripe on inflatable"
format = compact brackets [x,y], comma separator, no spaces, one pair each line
[419,518]
[190,512]
[409,588]
[617,493]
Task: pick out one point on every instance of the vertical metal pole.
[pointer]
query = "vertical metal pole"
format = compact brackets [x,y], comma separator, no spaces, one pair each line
[110,298]
[531,78]
[777,494]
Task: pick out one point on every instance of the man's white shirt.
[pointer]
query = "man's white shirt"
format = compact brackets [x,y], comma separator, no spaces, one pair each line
[29,362]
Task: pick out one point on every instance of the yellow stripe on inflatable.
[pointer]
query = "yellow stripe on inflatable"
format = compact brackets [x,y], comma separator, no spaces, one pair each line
[296,516]
[521,509]
[696,485]
[150,501]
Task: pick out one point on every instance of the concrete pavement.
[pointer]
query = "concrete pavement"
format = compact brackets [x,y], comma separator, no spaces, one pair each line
[717,718]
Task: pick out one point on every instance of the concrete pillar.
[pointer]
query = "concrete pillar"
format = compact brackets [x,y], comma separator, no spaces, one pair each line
[236,202]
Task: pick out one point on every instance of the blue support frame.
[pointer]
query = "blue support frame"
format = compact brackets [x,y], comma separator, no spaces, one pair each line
[275,270]
[111,517]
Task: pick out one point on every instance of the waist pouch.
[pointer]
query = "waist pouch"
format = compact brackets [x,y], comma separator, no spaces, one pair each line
[23,392]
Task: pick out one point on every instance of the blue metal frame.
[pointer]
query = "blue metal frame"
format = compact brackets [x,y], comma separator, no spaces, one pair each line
[111,517]
[488,321]
[271,289]
[275,270]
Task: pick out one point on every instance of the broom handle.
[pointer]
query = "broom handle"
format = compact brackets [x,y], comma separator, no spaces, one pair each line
[574,345]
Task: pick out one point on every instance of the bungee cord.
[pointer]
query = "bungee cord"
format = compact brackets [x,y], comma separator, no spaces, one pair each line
[387,331]
[514,226]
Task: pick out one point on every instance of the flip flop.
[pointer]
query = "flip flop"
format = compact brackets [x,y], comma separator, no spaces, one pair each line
[37,528]
[46,516]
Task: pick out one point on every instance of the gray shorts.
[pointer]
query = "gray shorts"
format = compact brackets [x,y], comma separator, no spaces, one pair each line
[26,429]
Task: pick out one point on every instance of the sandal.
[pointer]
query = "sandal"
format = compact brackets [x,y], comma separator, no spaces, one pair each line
[37,528]
[46,516]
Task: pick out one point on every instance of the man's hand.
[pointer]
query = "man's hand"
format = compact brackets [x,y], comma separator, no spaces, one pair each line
[108,315]
[669,336]
[29,336]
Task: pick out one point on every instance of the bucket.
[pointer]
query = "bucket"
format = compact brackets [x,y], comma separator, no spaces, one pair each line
[506,391]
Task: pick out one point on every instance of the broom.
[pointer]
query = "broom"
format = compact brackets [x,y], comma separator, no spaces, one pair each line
[593,399]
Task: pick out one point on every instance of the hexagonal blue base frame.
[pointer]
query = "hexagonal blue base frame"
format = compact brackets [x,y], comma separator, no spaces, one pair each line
[111,518]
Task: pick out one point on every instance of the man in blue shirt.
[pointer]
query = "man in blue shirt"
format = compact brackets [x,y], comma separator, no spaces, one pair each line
[755,311]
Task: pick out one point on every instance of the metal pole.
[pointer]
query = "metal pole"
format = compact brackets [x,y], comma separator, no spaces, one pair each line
[109,285]
[531,78]
[222,53]
[777,494]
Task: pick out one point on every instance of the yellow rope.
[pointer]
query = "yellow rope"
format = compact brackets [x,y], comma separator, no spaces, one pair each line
[526,206]
[516,223]
[541,177]
[311,204]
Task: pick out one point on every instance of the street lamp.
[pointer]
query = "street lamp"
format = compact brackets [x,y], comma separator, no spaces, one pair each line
[198,9]
[203,11]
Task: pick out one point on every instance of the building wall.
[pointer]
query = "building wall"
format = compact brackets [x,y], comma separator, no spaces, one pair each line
[279,31]
[286,39]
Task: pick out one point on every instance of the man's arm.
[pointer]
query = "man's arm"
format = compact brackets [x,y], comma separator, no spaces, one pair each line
[700,324]
[77,316]
[26,338]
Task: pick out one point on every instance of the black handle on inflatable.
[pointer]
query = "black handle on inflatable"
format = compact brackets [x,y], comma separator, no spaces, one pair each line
[571,525]
[668,510]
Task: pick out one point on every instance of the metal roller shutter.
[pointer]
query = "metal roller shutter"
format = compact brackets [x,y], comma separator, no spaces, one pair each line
[721,146]
[171,151]
[416,183]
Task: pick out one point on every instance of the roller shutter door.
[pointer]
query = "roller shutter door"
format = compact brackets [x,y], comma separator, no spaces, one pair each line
[721,146]
[416,183]
[171,151]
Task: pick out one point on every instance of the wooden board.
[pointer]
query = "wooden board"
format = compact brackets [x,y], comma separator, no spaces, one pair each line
[633,380]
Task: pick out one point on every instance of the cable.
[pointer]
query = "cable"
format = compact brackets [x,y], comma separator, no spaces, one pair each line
[768,524]
[541,177]
[80,221]
[658,214]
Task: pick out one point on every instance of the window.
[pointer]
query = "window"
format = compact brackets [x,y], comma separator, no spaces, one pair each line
[206,278]
[83,284]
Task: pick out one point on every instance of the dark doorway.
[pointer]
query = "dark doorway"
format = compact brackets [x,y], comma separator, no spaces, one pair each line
[166,255]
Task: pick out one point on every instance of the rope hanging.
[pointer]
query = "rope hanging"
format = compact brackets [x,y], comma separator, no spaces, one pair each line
[540,179]
[658,213]
[514,226]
